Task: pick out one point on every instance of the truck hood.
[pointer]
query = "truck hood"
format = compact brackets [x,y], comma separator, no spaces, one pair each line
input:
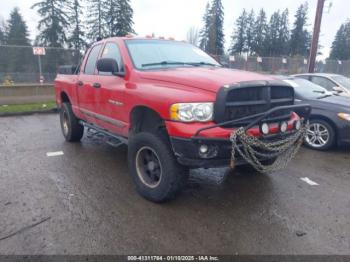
[206,78]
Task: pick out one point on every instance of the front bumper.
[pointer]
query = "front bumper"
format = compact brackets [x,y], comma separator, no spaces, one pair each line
[216,138]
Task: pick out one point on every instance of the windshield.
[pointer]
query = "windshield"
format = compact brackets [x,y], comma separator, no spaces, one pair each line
[343,81]
[306,89]
[155,54]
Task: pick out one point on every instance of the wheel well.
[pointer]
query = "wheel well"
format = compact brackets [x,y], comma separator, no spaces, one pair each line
[64,98]
[144,119]
[326,119]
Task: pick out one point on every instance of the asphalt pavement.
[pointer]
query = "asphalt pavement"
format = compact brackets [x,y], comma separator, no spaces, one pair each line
[81,200]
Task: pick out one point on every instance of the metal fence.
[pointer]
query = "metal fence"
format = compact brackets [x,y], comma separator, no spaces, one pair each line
[18,64]
[283,65]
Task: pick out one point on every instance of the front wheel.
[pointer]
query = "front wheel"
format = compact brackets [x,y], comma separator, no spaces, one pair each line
[320,135]
[157,175]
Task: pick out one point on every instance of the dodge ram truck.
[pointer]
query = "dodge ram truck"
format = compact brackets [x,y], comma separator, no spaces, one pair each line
[177,108]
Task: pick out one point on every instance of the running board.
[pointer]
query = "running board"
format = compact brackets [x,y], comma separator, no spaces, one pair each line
[112,139]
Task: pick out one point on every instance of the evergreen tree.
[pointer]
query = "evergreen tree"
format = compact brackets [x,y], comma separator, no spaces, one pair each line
[284,34]
[124,19]
[76,37]
[250,30]
[111,16]
[18,58]
[239,37]
[17,30]
[96,23]
[260,33]
[54,21]
[341,44]
[300,37]
[204,33]
[216,29]
[272,39]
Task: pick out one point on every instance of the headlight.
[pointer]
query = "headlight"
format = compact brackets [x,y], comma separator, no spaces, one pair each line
[344,116]
[191,112]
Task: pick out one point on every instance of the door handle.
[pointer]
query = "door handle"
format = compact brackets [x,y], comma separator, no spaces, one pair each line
[80,83]
[96,85]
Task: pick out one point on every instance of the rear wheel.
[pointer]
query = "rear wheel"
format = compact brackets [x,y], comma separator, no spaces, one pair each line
[71,129]
[157,175]
[320,135]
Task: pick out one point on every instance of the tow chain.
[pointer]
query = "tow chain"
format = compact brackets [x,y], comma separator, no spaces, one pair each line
[254,151]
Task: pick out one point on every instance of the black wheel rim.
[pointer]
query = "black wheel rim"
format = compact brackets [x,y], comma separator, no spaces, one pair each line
[148,167]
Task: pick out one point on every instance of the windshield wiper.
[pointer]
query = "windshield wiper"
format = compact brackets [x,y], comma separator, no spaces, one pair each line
[164,63]
[327,95]
[201,63]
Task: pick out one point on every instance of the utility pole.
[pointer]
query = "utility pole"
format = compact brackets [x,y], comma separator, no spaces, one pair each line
[316,35]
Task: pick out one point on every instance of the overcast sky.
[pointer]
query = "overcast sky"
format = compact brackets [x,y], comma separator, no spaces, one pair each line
[175,17]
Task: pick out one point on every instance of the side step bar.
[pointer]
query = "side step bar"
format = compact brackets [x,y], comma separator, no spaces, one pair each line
[119,139]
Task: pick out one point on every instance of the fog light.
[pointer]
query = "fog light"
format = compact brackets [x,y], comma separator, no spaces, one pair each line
[284,127]
[203,149]
[297,125]
[207,151]
[265,129]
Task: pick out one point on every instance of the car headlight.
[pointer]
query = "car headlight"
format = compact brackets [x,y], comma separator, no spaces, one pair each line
[192,112]
[344,116]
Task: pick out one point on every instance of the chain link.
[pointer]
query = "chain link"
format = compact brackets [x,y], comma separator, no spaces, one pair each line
[254,151]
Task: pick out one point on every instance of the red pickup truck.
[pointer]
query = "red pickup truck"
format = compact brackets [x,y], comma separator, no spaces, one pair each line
[177,108]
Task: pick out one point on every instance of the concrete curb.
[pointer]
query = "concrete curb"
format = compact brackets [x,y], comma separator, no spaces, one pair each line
[49,111]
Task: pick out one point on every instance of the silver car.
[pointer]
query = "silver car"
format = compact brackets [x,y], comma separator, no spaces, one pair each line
[331,82]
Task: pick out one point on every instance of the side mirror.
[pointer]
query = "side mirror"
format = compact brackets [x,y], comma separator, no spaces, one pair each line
[338,89]
[109,65]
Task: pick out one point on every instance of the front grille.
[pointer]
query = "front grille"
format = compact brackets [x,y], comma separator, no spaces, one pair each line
[242,101]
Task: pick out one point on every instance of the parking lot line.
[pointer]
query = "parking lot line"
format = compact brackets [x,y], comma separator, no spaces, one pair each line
[309,181]
[58,153]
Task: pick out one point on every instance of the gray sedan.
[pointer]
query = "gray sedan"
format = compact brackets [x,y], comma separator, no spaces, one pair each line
[331,82]
[330,116]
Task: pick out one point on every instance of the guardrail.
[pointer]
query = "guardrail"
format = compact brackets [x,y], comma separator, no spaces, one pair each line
[25,94]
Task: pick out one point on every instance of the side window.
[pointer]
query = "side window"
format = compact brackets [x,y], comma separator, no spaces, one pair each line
[111,50]
[92,59]
[324,82]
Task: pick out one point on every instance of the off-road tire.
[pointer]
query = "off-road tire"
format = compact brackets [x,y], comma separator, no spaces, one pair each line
[173,176]
[71,129]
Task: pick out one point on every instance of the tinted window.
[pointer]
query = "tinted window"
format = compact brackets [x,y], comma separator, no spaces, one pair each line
[91,62]
[324,82]
[111,50]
